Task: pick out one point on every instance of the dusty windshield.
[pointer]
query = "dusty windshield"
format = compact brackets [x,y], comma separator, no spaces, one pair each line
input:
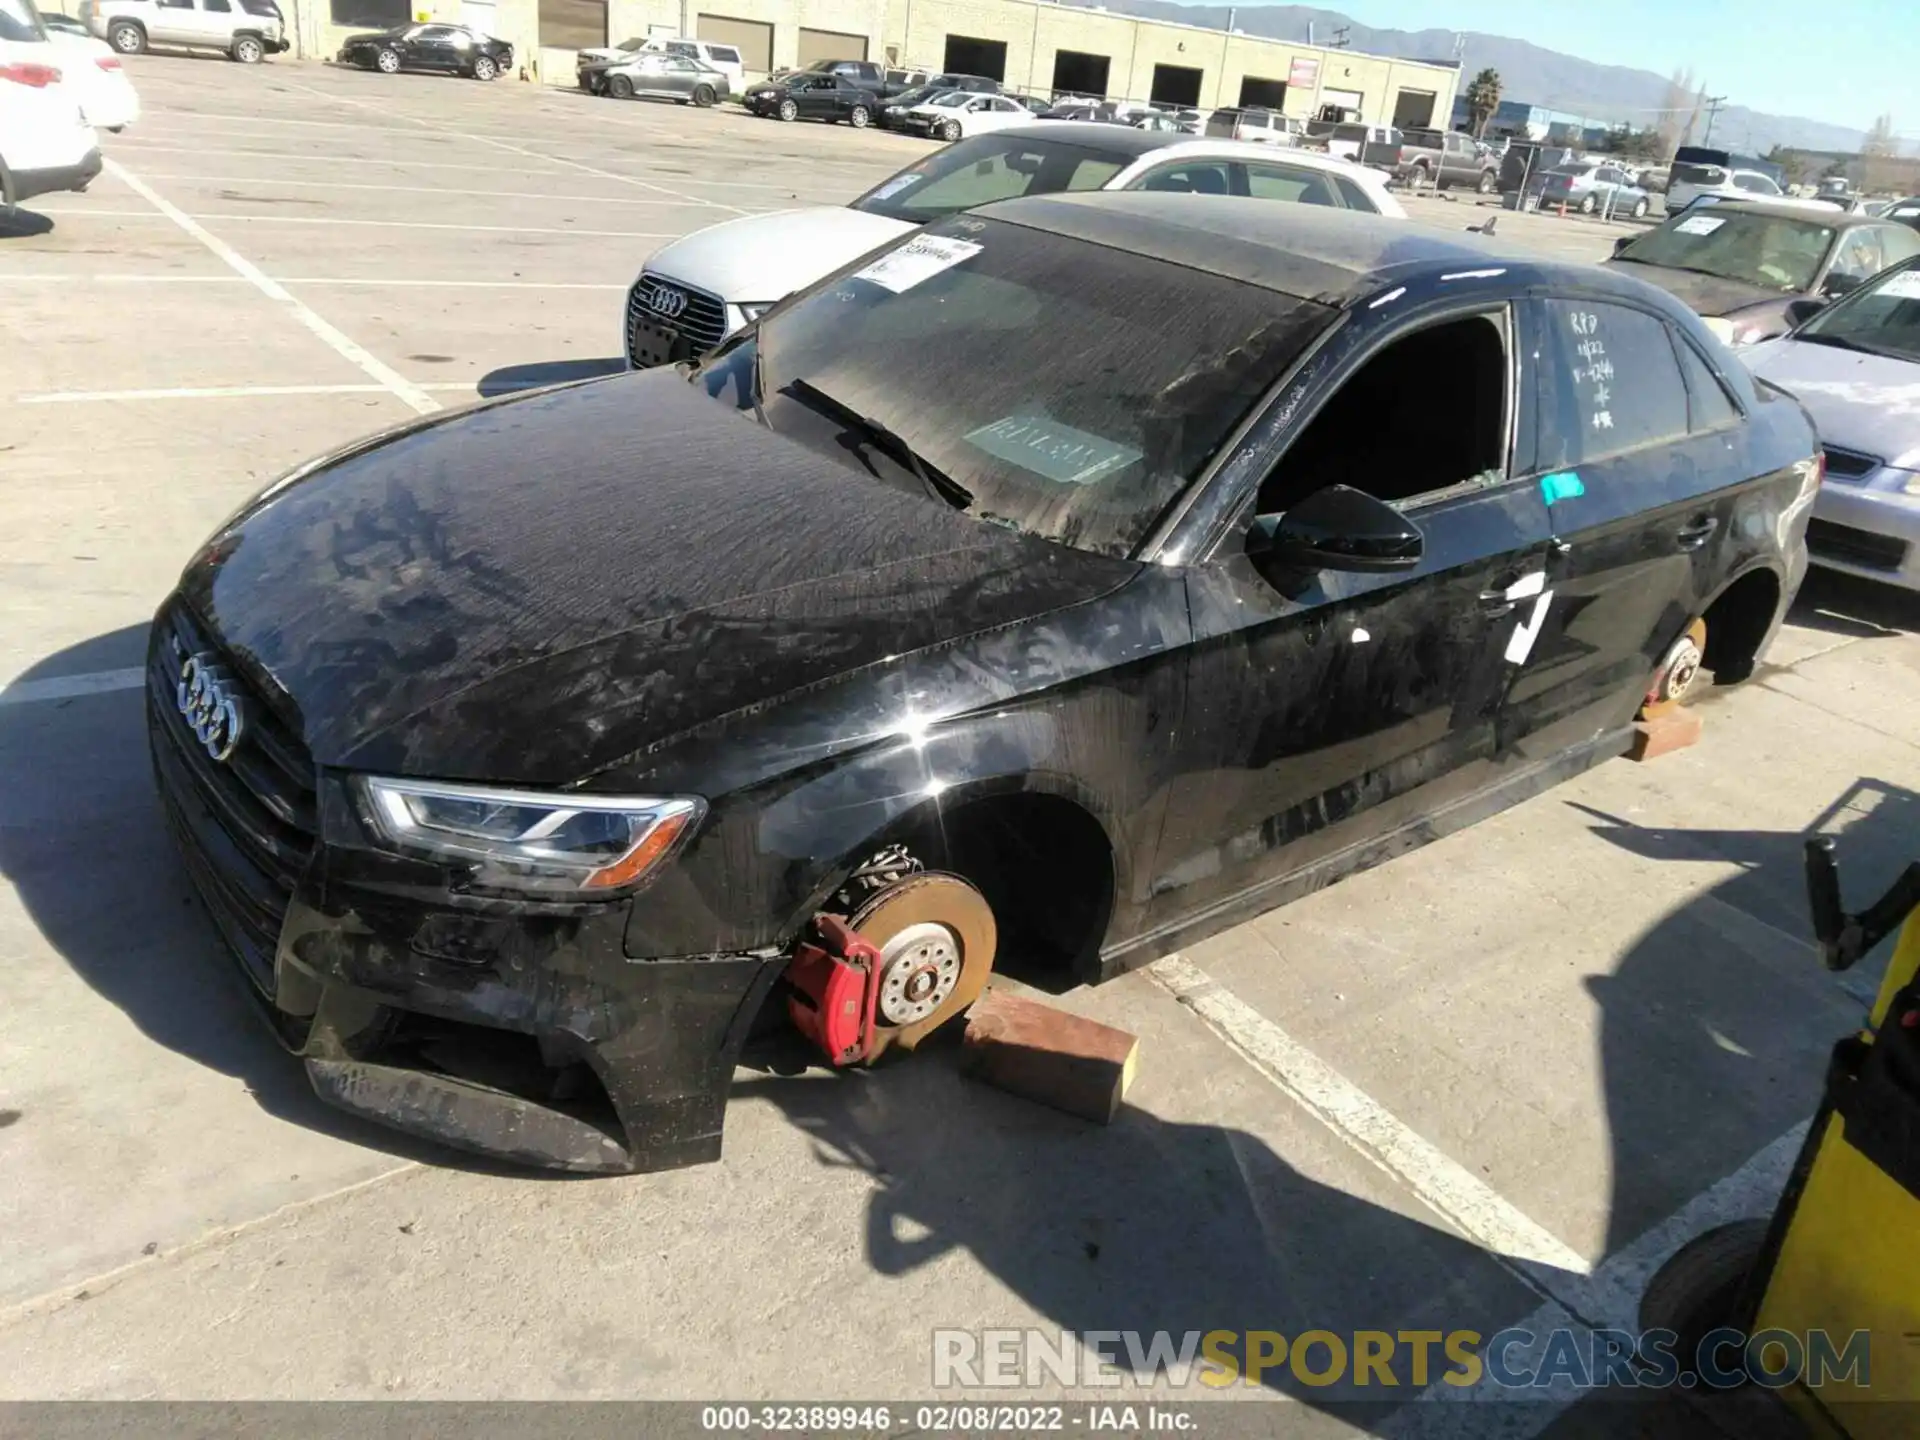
[1776,251]
[986,168]
[1882,317]
[1057,387]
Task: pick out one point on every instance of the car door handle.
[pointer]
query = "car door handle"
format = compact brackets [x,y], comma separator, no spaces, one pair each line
[1496,603]
[1696,533]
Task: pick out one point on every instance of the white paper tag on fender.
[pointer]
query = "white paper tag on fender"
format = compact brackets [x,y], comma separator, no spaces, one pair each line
[921,258]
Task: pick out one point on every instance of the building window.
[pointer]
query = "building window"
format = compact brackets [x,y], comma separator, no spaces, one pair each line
[370,14]
[1263,94]
[573,24]
[1176,85]
[966,55]
[1075,72]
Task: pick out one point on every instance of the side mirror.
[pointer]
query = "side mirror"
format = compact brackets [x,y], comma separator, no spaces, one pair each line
[1841,283]
[1804,309]
[1621,242]
[1339,528]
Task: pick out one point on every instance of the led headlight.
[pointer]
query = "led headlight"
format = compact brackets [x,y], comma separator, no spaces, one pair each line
[584,845]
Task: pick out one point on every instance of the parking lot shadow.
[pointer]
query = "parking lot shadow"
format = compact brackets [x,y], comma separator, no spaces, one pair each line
[1146,1225]
[18,224]
[1840,604]
[84,845]
[510,379]
[1716,1024]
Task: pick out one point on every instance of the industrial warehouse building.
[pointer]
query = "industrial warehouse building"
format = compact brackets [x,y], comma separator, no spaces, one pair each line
[1034,48]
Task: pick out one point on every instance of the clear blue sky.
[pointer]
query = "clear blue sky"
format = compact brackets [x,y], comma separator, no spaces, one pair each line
[1845,61]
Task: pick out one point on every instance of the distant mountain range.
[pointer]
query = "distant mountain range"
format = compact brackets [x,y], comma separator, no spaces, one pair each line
[1528,73]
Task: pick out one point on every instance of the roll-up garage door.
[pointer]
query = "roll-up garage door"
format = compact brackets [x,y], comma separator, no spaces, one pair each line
[752,38]
[830,45]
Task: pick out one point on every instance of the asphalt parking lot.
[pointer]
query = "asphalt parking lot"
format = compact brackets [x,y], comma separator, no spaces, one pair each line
[1491,1083]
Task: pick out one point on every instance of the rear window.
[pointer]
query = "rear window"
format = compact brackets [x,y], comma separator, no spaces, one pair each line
[265,8]
[1075,389]
[1696,175]
[1353,132]
[978,171]
[725,53]
[20,23]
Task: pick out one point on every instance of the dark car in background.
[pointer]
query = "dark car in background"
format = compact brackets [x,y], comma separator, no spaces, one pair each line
[1742,263]
[1016,590]
[811,95]
[898,103]
[447,49]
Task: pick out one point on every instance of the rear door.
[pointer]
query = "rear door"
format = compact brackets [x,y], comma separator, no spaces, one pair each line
[1641,460]
[214,21]
[176,22]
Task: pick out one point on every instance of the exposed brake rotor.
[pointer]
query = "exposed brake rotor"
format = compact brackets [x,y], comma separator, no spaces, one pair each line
[936,937]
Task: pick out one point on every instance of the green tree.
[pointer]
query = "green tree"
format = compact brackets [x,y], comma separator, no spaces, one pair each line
[1483,98]
[1799,168]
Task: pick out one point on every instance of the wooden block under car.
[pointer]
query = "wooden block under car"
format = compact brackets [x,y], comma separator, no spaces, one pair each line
[1658,735]
[1035,1051]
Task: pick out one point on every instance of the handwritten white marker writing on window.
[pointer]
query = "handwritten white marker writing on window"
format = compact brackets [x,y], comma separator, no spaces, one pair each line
[1602,395]
[1602,420]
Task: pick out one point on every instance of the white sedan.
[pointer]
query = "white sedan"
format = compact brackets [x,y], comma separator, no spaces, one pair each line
[960,113]
[701,288]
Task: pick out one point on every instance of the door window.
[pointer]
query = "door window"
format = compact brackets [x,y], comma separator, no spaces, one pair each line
[1709,407]
[1284,182]
[1858,254]
[1356,197]
[1897,243]
[1609,383]
[217,7]
[1208,178]
[176,4]
[1423,415]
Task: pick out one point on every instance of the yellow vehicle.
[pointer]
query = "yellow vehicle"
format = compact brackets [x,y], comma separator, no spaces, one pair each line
[1837,1269]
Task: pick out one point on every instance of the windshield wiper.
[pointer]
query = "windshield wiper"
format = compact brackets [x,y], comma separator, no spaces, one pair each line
[938,483]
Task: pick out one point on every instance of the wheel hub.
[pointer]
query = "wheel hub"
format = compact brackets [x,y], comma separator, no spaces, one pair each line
[1681,670]
[919,969]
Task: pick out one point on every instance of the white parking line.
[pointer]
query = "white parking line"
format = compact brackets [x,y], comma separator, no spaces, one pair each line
[347,349]
[1576,1295]
[421,191]
[522,150]
[1447,1187]
[1609,1298]
[66,687]
[52,277]
[282,156]
[77,211]
[246,392]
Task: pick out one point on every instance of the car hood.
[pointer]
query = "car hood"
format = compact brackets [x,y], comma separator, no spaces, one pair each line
[1703,294]
[760,258]
[535,590]
[372,35]
[1868,403]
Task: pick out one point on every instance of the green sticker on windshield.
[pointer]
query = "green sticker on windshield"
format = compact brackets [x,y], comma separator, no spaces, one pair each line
[1046,447]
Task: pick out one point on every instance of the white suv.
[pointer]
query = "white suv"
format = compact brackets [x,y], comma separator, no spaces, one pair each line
[246,30]
[46,143]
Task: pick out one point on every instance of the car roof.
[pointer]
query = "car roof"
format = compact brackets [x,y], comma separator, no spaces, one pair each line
[1127,140]
[1334,257]
[1792,210]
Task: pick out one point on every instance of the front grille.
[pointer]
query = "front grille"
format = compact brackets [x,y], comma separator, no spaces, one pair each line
[1849,464]
[247,824]
[1828,541]
[701,325]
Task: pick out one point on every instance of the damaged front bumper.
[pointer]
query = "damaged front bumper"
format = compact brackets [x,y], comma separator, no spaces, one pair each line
[518,1029]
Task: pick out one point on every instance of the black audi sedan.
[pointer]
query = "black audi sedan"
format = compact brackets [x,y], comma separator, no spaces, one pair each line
[1079,576]
[449,49]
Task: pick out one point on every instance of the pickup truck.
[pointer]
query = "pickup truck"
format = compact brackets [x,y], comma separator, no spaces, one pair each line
[1441,158]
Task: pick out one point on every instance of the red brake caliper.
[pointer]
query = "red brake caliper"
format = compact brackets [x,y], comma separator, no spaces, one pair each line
[833,983]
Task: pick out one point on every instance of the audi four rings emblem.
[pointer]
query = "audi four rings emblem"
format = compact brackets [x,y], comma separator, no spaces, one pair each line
[205,695]
[663,300]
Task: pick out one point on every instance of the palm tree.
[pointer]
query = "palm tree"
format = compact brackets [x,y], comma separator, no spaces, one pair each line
[1483,98]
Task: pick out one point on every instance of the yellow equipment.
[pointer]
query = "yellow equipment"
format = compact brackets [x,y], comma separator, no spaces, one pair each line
[1841,1254]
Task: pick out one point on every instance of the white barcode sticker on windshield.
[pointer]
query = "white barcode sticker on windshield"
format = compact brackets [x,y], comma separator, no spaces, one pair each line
[1700,224]
[894,186]
[1904,286]
[920,259]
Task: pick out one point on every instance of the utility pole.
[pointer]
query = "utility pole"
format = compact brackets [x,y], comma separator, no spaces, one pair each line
[1715,103]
